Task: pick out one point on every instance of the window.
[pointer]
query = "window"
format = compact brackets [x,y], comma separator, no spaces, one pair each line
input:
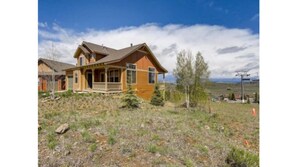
[151,75]
[76,78]
[81,61]
[93,55]
[113,76]
[102,77]
[131,73]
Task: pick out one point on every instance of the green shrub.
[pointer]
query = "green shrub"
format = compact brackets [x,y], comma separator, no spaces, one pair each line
[130,100]
[152,148]
[256,99]
[68,93]
[189,163]
[241,158]
[87,137]
[157,98]
[93,147]
[111,140]
[51,140]
[43,94]
[232,96]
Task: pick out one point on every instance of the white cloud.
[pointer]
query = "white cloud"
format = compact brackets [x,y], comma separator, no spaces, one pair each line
[43,25]
[165,42]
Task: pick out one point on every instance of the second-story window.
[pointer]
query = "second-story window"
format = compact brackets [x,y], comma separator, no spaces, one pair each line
[81,61]
[94,56]
[131,73]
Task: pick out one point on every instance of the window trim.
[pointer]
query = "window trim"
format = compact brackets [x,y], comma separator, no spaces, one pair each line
[81,62]
[148,72]
[131,70]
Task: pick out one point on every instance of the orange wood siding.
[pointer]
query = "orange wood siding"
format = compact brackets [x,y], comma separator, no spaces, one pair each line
[142,87]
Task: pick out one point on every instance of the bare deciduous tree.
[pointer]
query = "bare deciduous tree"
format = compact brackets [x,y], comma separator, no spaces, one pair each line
[51,54]
[190,74]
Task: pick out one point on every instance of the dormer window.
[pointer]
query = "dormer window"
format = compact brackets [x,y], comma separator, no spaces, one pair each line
[93,55]
[81,61]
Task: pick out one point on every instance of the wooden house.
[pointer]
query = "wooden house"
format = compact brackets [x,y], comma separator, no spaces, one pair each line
[48,69]
[107,70]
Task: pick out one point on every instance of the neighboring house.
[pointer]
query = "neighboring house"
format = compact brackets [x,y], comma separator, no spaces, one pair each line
[106,70]
[45,72]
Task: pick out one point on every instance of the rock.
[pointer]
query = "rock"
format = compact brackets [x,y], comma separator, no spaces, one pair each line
[57,149]
[67,153]
[158,154]
[62,129]
[39,127]
[207,127]
[142,125]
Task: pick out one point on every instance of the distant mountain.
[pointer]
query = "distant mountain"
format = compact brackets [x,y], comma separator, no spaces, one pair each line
[225,80]
[171,79]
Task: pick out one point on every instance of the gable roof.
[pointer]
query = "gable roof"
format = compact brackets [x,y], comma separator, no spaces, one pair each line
[113,55]
[55,65]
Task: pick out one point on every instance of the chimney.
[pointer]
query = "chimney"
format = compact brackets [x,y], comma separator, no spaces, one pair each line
[131,44]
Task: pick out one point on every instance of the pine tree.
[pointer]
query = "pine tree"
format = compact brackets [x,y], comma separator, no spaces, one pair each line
[130,100]
[256,100]
[157,98]
[232,96]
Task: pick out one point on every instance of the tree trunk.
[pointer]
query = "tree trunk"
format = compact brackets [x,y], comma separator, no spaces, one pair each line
[187,97]
[53,87]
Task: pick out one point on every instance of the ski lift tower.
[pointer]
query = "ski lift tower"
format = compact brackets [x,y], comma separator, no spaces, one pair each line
[242,74]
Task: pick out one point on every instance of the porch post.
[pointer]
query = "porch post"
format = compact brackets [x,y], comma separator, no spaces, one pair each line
[93,73]
[82,80]
[122,84]
[105,78]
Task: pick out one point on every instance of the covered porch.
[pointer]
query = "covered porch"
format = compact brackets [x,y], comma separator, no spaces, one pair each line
[105,79]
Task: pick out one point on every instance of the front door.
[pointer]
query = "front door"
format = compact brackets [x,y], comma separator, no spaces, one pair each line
[70,82]
[90,80]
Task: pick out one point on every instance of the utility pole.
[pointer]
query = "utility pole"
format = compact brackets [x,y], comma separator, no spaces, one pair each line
[242,74]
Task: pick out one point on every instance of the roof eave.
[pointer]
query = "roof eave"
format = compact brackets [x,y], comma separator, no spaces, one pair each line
[156,60]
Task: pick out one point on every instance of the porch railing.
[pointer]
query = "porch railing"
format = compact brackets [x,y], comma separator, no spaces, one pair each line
[111,86]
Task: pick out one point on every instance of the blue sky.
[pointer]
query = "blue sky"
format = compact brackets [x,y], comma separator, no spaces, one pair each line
[109,14]
[225,32]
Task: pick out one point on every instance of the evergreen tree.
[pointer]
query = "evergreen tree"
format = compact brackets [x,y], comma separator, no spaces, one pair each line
[130,100]
[232,96]
[157,98]
[256,100]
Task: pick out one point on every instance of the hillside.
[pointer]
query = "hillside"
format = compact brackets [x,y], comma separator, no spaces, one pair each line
[103,134]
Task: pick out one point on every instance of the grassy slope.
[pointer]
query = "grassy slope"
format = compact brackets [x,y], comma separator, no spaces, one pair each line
[221,88]
[103,134]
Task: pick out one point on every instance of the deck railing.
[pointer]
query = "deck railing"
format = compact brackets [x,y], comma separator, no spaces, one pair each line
[111,86]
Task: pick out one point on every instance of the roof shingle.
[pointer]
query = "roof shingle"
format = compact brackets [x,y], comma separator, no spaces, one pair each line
[112,55]
[55,65]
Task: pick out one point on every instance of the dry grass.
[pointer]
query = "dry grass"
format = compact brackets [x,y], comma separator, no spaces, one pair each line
[103,134]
